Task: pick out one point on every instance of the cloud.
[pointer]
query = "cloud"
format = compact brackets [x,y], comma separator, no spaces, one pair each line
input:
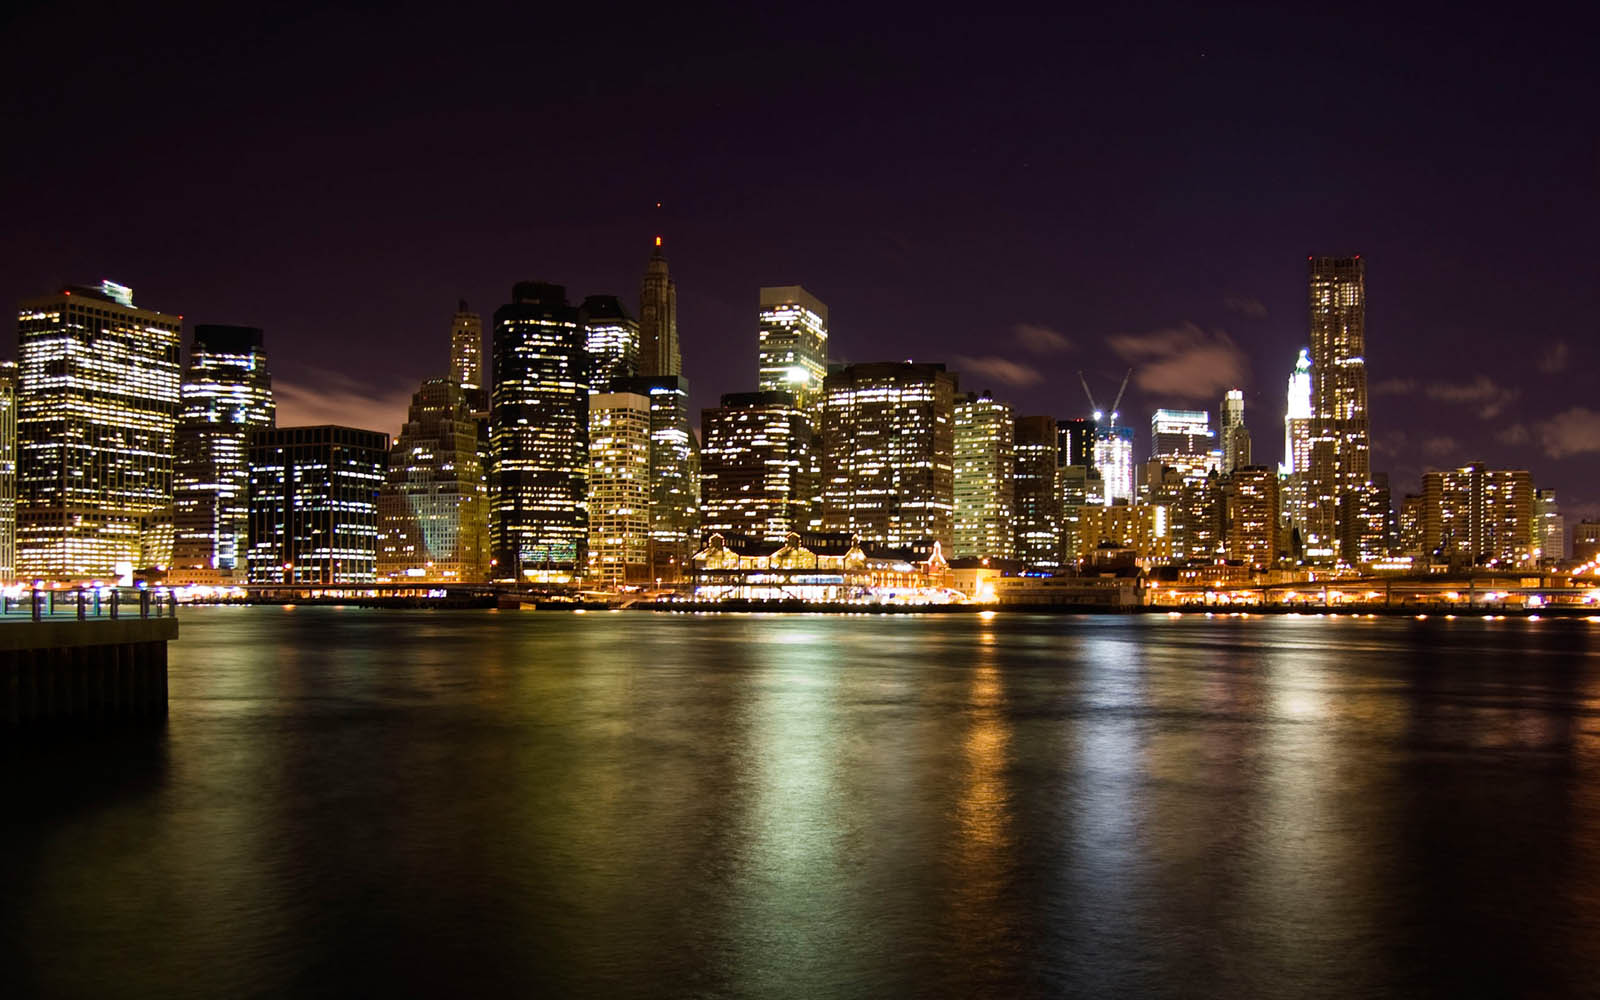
[1042,339]
[1244,305]
[1490,398]
[329,397]
[1393,387]
[1442,446]
[1554,360]
[1391,443]
[1184,361]
[998,369]
[1514,434]
[1574,432]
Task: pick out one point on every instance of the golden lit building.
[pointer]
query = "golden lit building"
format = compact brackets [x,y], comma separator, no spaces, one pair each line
[8,471]
[985,511]
[97,405]
[619,488]
[1141,528]
[1252,515]
[433,507]
[1475,516]
[759,466]
[793,348]
[1340,449]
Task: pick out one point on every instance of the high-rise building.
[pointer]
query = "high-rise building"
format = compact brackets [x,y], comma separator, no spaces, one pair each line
[1550,528]
[1411,530]
[1183,440]
[8,471]
[1113,459]
[314,504]
[1474,516]
[227,396]
[466,356]
[760,466]
[984,499]
[793,348]
[1141,528]
[1252,515]
[1075,437]
[1340,447]
[97,405]
[619,488]
[1586,541]
[888,445]
[1235,436]
[611,337]
[1038,495]
[1296,465]
[539,437]
[658,319]
[1196,516]
[433,506]
[674,475]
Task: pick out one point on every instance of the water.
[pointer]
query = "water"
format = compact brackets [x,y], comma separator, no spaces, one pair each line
[355,802]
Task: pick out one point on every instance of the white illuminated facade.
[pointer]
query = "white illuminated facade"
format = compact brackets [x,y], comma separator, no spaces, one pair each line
[314,504]
[466,352]
[985,510]
[759,467]
[611,337]
[619,488]
[433,507]
[1183,440]
[97,406]
[1113,459]
[793,349]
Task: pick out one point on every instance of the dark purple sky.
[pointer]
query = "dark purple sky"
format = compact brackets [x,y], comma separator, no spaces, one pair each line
[1146,186]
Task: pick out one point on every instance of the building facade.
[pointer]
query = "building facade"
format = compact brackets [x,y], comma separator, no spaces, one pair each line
[1252,515]
[985,502]
[1550,528]
[1296,466]
[1038,494]
[674,475]
[1235,435]
[619,489]
[539,437]
[433,506]
[314,504]
[466,356]
[611,337]
[1475,516]
[97,407]
[658,319]
[1340,459]
[8,471]
[1113,459]
[793,345]
[888,447]
[226,397]
[1183,440]
[760,467]
[1139,528]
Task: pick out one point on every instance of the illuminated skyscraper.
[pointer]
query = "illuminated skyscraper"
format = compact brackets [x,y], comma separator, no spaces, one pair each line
[674,475]
[8,471]
[1141,528]
[466,356]
[227,396]
[1296,467]
[539,437]
[658,319]
[433,507]
[619,488]
[314,504]
[97,405]
[1113,459]
[611,337]
[984,499]
[1340,449]
[1551,529]
[888,446]
[1038,496]
[1252,515]
[1475,516]
[793,351]
[760,464]
[1183,440]
[1235,436]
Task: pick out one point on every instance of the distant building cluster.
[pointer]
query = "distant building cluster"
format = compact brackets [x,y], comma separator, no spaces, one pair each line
[565,454]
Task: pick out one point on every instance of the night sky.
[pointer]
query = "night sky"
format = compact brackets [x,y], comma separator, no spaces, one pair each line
[1020,199]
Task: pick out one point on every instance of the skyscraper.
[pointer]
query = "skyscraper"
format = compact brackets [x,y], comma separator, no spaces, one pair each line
[793,348]
[658,319]
[433,506]
[539,437]
[314,504]
[619,488]
[227,396]
[466,356]
[1113,459]
[1340,449]
[611,337]
[8,471]
[1551,529]
[1475,516]
[97,404]
[1183,440]
[1038,496]
[888,446]
[1252,515]
[1235,436]
[1296,467]
[759,466]
[984,498]
[674,475]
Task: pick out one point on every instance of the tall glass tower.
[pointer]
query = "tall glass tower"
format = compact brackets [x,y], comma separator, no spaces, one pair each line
[1340,445]
[658,319]
[985,501]
[466,355]
[227,396]
[611,337]
[793,349]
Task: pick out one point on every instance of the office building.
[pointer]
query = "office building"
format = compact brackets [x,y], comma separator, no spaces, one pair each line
[226,397]
[888,446]
[658,319]
[97,407]
[984,499]
[1075,437]
[1411,527]
[433,506]
[1139,529]
[611,337]
[1340,458]
[619,489]
[1076,486]
[1474,516]
[466,356]
[8,471]
[1183,440]
[314,504]
[1586,541]
[1235,436]
[1366,523]
[760,467]
[1252,515]
[1550,528]
[793,348]
[1296,466]
[1038,496]
[674,475]
[1113,459]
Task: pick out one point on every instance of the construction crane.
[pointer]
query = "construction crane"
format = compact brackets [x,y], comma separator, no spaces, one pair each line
[1114,403]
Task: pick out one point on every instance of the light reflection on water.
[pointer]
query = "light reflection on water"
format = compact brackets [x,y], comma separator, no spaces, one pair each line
[735,805]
